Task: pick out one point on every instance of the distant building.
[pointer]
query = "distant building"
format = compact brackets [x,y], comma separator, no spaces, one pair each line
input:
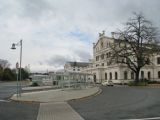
[76,66]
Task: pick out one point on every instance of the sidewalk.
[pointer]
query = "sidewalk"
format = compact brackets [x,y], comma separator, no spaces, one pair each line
[57,95]
[57,111]
[54,104]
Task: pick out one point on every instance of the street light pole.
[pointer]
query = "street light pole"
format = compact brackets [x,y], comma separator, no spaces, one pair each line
[20,74]
[20,69]
[17,66]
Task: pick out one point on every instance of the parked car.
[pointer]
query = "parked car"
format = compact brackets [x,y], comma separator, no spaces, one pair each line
[108,83]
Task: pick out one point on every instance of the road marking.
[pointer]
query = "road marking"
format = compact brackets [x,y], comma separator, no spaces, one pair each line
[57,111]
[4,101]
[154,118]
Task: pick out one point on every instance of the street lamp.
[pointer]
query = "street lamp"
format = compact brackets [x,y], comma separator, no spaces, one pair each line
[20,74]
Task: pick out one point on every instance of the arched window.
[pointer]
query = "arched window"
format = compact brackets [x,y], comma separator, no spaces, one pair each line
[94,78]
[110,76]
[116,76]
[125,75]
[142,74]
[158,74]
[102,56]
[149,75]
[105,76]
[132,75]
[158,60]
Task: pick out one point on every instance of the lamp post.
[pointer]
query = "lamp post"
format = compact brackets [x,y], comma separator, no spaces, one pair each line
[17,66]
[20,74]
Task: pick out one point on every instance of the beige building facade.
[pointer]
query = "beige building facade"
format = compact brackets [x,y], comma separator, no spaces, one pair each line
[103,70]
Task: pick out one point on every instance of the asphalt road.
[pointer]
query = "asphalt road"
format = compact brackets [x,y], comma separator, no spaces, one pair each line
[7,89]
[116,103]
[10,110]
[18,111]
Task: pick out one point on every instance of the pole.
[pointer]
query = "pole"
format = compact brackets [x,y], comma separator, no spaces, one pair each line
[20,74]
[17,84]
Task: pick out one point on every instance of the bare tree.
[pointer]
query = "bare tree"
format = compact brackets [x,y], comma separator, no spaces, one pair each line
[4,64]
[135,44]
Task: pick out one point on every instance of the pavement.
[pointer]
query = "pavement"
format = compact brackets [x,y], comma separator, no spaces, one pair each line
[57,111]
[57,95]
[53,103]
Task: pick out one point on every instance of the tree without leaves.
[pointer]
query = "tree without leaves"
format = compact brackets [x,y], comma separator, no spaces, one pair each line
[8,75]
[135,44]
[4,63]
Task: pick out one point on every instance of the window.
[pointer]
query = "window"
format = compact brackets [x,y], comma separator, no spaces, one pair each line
[97,58]
[148,62]
[107,45]
[102,56]
[78,69]
[105,76]
[73,69]
[125,75]
[110,76]
[108,63]
[107,55]
[102,64]
[149,75]
[132,75]
[158,74]
[142,74]
[97,65]
[116,76]
[158,60]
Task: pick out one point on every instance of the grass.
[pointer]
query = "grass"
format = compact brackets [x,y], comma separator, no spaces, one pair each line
[34,84]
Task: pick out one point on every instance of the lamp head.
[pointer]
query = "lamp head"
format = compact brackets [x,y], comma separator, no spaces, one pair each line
[13,46]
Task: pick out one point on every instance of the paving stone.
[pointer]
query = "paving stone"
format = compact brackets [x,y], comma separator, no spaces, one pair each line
[57,111]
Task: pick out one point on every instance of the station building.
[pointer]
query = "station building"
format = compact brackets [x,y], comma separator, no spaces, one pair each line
[103,70]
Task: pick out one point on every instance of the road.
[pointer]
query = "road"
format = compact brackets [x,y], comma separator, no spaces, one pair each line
[116,103]
[7,89]
[10,110]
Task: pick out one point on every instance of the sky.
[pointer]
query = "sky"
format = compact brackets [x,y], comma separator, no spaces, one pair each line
[56,31]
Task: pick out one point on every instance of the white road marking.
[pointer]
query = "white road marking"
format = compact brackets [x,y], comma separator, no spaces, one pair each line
[4,101]
[154,118]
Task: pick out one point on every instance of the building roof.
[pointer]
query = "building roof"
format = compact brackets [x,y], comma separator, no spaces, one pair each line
[78,64]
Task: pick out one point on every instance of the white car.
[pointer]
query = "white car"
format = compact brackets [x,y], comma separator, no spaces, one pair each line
[108,83]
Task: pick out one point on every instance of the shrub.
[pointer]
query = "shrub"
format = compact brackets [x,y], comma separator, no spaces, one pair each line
[153,82]
[34,84]
[133,83]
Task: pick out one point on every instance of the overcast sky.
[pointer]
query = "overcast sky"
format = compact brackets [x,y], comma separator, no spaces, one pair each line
[56,31]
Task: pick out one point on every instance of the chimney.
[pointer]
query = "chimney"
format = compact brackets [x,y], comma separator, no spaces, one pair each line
[93,44]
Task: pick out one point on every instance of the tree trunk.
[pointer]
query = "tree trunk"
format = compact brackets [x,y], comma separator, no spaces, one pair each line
[137,76]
